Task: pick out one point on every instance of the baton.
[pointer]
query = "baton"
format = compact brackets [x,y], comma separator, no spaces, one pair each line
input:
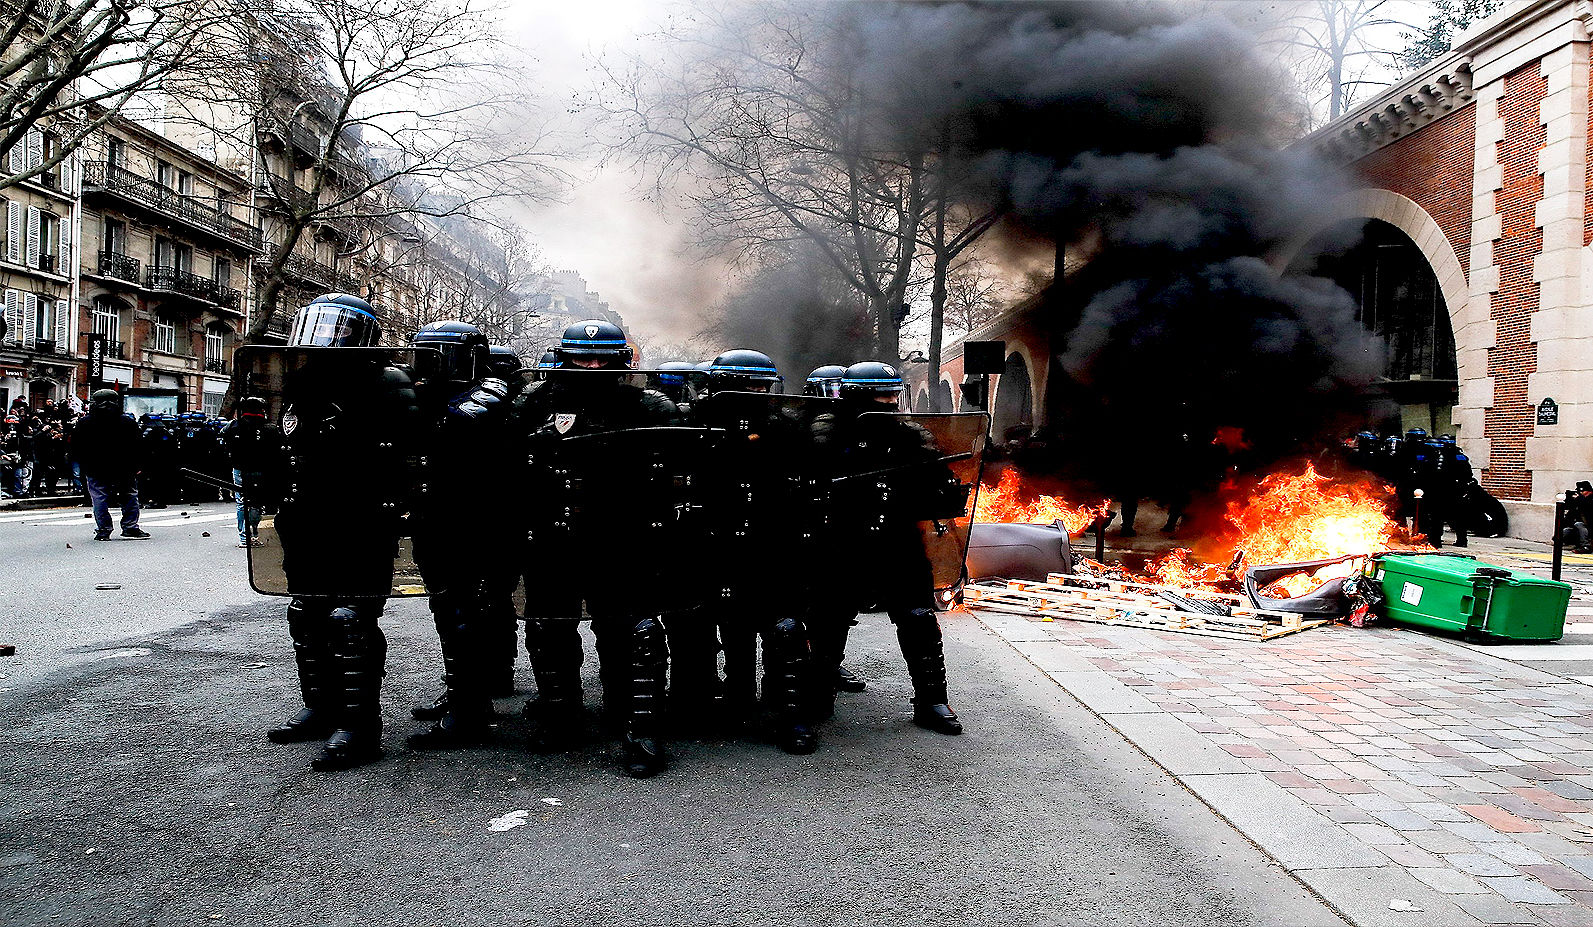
[949,458]
[212,481]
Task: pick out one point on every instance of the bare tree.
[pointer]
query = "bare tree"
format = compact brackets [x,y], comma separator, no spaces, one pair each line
[974,296]
[391,112]
[1337,48]
[72,66]
[762,105]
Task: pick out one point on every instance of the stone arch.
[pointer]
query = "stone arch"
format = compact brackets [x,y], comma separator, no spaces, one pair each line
[1016,348]
[1404,214]
[921,404]
[944,395]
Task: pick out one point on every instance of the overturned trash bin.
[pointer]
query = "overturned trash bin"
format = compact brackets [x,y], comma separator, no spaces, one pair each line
[1451,592]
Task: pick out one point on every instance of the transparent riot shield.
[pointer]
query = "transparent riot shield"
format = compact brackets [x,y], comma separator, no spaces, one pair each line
[922,468]
[618,519]
[336,496]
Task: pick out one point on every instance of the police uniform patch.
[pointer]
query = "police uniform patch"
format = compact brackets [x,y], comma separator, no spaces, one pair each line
[563,422]
[290,422]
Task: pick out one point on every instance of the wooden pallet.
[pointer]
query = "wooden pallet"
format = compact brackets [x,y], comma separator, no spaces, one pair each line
[1134,605]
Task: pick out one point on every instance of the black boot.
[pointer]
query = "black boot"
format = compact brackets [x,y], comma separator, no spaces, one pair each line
[787,685]
[433,708]
[644,721]
[360,655]
[467,719]
[828,633]
[919,634]
[312,651]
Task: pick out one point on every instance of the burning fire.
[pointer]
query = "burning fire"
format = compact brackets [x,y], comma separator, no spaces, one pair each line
[1289,517]
[1002,503]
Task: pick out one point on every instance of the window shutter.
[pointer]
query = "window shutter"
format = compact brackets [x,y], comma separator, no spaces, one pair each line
[14,232]
[30,318]
[14,160]
[35,148]
[33,236]
[63,249]
[64,172]
[13,310]
[61,333]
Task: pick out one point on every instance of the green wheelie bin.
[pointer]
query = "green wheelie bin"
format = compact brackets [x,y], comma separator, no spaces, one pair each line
[1453,592]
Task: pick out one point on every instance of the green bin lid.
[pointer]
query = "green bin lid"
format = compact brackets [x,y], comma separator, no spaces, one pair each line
[1447,566]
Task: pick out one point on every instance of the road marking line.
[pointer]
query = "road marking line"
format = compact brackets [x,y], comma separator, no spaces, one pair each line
[169,522]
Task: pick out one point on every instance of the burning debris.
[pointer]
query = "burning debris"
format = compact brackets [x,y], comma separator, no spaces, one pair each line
[1291,516]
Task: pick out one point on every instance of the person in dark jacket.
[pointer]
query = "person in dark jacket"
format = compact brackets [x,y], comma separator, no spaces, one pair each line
[254,449]
[106,445]
[1578,516]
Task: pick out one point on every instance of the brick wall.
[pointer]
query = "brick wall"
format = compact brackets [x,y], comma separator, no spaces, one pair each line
[1514,356]
[1433,167]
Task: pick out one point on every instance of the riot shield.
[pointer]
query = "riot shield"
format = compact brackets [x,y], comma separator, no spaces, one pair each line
[925,468]
[617,518]
[353,443]
[764,496]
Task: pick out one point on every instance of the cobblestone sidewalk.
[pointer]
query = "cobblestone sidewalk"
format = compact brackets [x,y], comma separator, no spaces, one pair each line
[1385,768]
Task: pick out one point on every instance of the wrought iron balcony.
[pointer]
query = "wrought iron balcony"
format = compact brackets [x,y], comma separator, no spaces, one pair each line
[120,266]
[281,188]
[172,280]
[102,177]
[215,365]
[299,267]
[114,349]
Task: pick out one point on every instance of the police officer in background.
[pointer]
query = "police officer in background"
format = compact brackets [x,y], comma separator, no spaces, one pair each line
[673,380]
[467,550]
[548,361]
[506,365]
[159,440]
[825,382]
[348,419]
[566,565]
[758,500]
[1456,477]
[878,549]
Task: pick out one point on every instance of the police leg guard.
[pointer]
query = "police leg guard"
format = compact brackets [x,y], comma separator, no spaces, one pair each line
[310,628]
[919,634]
[828,633]
[554,646]
[360,655]
[693,662]
[787,685]
[467,720]
[644,721]
[740,641]
[612,639]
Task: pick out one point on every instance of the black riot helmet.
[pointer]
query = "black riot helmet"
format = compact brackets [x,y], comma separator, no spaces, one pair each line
[743,371]
[824,381]
[1416,434]
[595,344]
[252,405]
[105,401]
[872,381]
[503,362]
[336,320]
[671,379]
[463,347]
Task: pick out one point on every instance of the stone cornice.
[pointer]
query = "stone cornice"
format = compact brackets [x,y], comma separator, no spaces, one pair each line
[1437,91]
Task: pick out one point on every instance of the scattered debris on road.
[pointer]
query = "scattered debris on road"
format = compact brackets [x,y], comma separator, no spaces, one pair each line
[508,822]
[107,586]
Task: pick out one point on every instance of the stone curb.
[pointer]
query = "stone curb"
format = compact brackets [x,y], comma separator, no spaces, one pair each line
[1348,876]
[40,502]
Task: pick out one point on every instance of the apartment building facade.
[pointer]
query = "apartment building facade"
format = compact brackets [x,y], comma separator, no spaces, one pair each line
[36,276]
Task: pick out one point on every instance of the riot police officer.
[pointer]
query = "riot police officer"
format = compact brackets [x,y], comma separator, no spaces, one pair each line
[505,365]
[1456,476]
[673,380]
[758,500]
[347,421]
[566,561]
[548,361]
[898,575]
[159,447]
[825,381]
[467,553]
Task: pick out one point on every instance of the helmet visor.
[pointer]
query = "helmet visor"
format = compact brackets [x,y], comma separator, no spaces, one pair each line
[327,325]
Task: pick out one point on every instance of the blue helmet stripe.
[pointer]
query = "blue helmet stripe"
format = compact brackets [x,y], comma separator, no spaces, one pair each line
[728,367]
[604,343]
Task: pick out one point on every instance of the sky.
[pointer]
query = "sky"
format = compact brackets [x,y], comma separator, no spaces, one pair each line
[630,251]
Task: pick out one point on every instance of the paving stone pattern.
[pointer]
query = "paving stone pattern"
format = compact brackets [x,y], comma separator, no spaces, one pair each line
[1472,773]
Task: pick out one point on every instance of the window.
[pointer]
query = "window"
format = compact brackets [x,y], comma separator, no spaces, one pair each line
[171,254]
[212,404]
[116,152]
[43,319]
[165,337]
[50,255]
[185,183]
[166,175]
[115,238]
[223,272]
[107,320]
[215,344]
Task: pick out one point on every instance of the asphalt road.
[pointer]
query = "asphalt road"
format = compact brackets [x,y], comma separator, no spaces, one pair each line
[139,789]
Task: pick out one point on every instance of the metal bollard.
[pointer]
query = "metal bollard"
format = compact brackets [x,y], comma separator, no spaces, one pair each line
[1559,539]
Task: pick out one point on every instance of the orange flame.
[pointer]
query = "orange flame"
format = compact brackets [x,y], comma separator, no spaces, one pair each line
[1003,503]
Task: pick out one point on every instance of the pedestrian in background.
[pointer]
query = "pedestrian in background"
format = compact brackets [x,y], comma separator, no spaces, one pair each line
[49,453]
[1578,516]
[254,448]
[106,444]
[11,458]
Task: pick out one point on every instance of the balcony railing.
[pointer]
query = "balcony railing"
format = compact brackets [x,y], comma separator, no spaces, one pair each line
[112,178]
[173,280]
[287,191]
[47,263]
[120,266]
[215,365]
[314,272]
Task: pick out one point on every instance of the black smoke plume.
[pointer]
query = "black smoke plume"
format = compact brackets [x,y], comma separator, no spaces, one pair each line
[1147,133]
